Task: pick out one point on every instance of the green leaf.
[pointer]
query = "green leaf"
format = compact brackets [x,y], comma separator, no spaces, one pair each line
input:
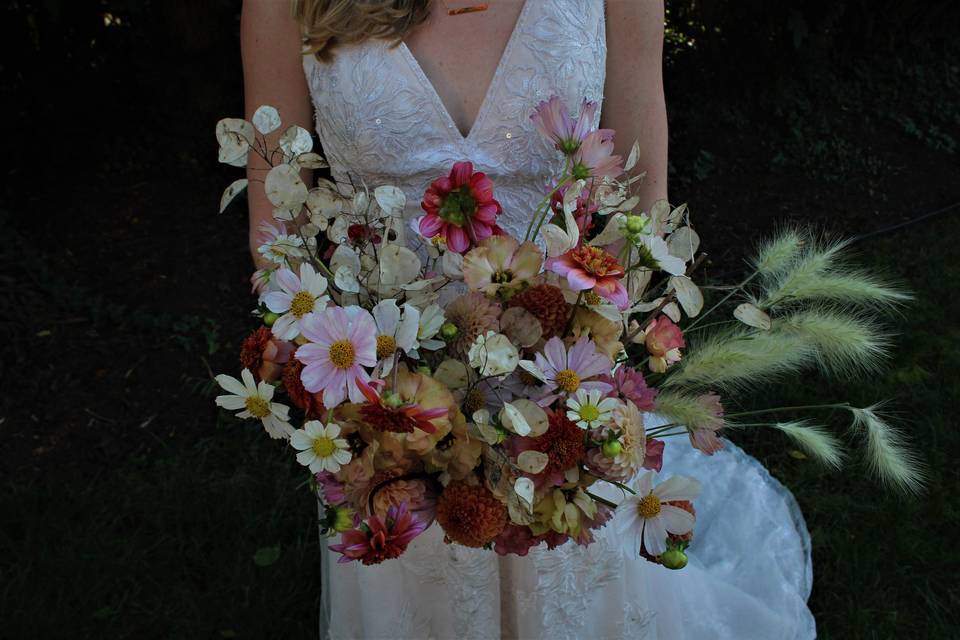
[266,556]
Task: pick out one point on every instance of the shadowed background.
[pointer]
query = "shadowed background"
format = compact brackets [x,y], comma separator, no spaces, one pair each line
[131,507]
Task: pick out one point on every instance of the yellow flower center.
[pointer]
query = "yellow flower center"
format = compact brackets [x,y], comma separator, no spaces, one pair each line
[341,354]
[386,345]
[302,304]
[592,298]
[568,380]
[649,507]
[323,447]
[257,406]
[589,412]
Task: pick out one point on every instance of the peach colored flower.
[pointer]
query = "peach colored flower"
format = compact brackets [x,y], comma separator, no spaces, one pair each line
[501,265]
[664,341]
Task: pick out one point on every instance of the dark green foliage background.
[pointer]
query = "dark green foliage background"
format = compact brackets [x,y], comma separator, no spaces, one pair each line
[131,508]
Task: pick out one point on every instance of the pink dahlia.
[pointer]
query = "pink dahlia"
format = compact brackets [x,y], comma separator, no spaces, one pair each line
[460,208]
[552,119]
[379,539]
[629,384]
[594,158]
[343,340]
[591,268]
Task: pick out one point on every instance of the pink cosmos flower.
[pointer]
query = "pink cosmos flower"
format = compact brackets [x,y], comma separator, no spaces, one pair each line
[460,208]
[664,341]
[593,268]
[704,435]
[379,539]
[343,340]
[330,489]
[563,372]
[552,119]
[629,384]
[594,158]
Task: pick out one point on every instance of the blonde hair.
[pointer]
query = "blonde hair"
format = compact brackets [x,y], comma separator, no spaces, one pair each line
[328,24]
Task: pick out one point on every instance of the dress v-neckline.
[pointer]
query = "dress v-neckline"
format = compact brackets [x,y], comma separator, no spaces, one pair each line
[491,88]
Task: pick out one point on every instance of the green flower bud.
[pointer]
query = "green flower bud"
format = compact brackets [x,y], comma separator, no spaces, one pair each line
[424,369]
[673,559]
[612,448]
[391,399]
[448,331]
[635,224]
[269,318]
[342,519]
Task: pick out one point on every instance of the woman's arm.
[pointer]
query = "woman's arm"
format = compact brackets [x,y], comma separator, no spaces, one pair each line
[272,74]
[633,102]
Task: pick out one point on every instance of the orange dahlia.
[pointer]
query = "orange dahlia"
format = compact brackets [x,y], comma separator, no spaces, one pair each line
[547,305]
[470,515]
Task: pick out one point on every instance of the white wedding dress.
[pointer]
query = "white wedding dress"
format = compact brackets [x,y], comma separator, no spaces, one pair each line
[380,121]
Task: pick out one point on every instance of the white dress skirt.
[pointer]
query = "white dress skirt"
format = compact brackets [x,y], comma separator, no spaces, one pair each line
[381,122]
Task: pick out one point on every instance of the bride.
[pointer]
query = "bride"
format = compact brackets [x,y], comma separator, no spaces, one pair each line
[401,89]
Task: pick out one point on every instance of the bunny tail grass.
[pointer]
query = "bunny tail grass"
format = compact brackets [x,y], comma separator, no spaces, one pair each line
[847,345]
[734,360]
[683,409]
[814,440]
[887,454]
[774,256]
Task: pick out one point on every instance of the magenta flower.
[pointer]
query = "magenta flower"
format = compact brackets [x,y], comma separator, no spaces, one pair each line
[552,119]
[629,384]
[586,268]
[563,372]
[377,540]
[343,340]
[594,158]
[460,208]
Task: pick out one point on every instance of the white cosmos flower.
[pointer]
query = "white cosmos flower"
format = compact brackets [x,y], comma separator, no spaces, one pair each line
[645,517]
[589,408]
[320,448]
[658,249]
[395,330]
[256,400]
[431,320]
[297,297]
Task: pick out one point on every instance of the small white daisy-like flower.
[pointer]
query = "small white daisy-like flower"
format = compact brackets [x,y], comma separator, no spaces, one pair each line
[256,400]
[589,408]
[660,253]
[320,448]
[646,518]
[297,297]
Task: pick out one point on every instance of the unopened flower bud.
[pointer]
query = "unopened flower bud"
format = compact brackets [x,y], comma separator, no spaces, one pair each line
[673,559]
[635,224]
[269,318]
[612,448]
[424,369]
[448,331]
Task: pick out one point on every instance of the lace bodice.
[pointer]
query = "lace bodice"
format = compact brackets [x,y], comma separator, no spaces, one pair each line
[380,121]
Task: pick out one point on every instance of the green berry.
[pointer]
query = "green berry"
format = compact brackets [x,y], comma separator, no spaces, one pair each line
[269,318]
[612,448]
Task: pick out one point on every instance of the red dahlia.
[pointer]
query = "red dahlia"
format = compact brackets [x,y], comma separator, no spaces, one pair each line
[470,515]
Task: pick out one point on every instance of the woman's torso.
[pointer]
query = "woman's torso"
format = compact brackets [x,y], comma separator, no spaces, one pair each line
[380,120]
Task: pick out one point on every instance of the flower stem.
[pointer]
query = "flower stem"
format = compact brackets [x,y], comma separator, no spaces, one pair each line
[841,405]
[735,291]
[609,503]
[544,206]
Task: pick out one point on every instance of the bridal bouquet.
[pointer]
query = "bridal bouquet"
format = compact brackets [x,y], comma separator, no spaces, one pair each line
[518,391]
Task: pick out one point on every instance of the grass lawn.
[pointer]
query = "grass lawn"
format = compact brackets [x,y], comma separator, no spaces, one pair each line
[218,539]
